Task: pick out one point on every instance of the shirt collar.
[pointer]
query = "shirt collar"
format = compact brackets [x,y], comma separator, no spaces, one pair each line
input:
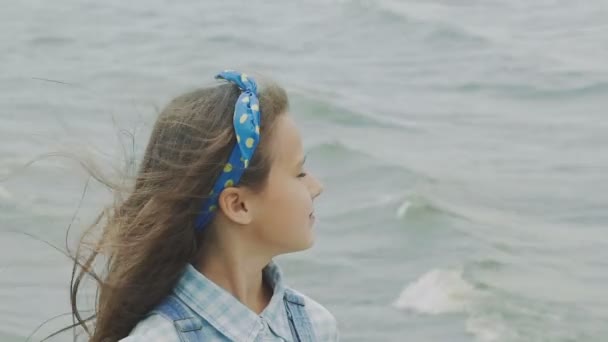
[274,313]
[226,313]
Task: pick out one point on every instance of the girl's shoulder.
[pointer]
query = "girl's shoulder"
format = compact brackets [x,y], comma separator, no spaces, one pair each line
[323,321]
[153,328]
[158,328]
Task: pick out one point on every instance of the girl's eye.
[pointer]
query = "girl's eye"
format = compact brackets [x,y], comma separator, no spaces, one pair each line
[302,175]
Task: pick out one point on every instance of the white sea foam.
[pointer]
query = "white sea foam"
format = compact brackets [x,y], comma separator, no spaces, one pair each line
[437,291]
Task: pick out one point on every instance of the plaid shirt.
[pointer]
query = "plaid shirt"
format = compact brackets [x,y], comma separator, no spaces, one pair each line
[229,318]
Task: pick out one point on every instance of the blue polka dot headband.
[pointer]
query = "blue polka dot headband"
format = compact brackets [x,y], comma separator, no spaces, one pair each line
[246,121]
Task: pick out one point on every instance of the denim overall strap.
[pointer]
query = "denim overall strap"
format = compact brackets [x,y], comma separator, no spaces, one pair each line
[299,322]
[189,328]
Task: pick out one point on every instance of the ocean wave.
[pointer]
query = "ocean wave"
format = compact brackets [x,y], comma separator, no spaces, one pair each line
[315,106]
[432,21]
[525,91]
[446,291]
[418,204]
[332,148]
[513,227]
[436,292]
[486,328]
[346,164]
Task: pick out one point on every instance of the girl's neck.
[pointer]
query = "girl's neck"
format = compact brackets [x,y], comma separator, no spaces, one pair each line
[238,271]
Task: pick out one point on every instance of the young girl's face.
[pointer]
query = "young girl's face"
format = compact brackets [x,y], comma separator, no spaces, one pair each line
[284,212]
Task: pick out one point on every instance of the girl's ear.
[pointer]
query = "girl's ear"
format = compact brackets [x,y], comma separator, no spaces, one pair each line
[234,205]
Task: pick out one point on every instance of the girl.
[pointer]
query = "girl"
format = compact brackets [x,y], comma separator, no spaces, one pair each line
[221,191]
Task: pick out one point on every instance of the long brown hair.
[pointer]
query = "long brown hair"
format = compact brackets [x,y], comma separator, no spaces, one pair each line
[146,237]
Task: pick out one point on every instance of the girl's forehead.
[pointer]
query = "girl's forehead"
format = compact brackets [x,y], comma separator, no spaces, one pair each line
[287,142]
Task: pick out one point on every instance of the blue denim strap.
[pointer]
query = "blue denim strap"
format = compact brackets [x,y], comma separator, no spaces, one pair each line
[299,322]
[189,328]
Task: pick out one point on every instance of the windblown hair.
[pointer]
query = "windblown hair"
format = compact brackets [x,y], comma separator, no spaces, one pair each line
[147,236]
